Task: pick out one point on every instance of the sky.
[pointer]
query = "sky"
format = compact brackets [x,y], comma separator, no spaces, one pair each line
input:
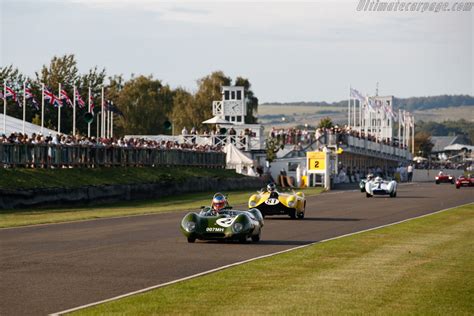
[290,51]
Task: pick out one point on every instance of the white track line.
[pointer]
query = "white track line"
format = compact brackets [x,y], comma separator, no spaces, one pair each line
[243,262]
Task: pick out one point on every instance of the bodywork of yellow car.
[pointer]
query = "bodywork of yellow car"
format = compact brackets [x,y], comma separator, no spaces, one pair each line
[279,203]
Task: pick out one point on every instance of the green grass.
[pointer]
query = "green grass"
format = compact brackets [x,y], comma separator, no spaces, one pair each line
[14,218]
[421,267]
[22,178]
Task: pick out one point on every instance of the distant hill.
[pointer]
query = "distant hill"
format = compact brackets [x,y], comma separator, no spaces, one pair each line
[410,104]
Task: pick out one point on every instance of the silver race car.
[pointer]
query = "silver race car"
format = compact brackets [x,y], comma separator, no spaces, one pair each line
[378,186]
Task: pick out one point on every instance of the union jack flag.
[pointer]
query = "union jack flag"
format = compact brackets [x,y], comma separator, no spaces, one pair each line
[53,100]
[29,96]
[64,97]
[10,93]
[91,100]
[79,100]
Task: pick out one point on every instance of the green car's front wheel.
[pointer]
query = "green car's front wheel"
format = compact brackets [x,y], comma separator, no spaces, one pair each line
[191,239]
[256,238]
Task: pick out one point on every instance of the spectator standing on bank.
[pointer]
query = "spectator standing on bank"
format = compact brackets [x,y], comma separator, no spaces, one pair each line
[410,172]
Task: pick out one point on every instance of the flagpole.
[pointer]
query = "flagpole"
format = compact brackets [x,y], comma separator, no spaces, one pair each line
[59,110]
[413,139]
[354,123]
[4,108]
[107,123]
[102,117]
[24,105]
[111,124]
[42,107]
[89,110]
[98,115]
[74,111]
[349,108]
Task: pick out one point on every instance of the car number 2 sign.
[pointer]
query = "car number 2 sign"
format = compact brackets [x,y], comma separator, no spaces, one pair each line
[316,160]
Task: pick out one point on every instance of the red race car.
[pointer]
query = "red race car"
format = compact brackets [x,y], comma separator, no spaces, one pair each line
[444,178]
[465,181]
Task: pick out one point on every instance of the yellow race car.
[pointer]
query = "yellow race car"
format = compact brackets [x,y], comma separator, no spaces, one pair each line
[272,202]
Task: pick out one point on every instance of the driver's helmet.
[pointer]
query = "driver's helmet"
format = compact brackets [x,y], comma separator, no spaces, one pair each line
[271,187]
[440,173]
[378,179]
[370,176]
[218,202]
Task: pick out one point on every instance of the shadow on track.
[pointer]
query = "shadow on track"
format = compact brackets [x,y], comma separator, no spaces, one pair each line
[411,197]
[315,219]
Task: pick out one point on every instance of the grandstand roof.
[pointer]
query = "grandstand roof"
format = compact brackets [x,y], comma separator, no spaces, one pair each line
[440,142]
[14,125]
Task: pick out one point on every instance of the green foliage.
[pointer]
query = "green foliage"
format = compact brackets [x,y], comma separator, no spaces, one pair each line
[146,104]
[325,122]
[423,144]
[209,89]
[14,79]
[252,101]
[410,104]
[447,128]
[433,102]
[183,114]
[272,146]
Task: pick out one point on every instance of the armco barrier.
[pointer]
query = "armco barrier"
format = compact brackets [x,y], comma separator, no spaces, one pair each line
[34,155]
[428,175]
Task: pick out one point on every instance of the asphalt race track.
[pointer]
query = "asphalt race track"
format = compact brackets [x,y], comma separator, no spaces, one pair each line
[50,268]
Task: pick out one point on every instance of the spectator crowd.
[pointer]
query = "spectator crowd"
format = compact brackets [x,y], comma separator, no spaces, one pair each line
[78,140]
[299,137]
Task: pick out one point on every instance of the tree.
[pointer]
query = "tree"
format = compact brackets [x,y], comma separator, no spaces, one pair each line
[146,104]
[209,89]
[13,79]
[423,144]
[252,101]
[272,146]
[64,70]
[182,114]
[325,122]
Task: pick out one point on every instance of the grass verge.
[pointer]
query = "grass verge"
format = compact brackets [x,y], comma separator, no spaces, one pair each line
[14,218]
[423,267]
[23,178]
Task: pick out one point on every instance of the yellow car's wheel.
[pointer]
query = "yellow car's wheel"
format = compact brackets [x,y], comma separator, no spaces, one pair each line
[293,214]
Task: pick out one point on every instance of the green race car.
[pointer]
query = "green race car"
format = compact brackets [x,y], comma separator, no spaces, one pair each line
[228,224]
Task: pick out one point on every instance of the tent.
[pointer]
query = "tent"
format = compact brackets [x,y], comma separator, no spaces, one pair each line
[419,159]
[235,159]
[216,120]
[14,125]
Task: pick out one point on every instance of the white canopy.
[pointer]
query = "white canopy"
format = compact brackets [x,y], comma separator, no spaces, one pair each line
[216,120]
[14,125]
[235,159]
[419,159]
[457,147]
